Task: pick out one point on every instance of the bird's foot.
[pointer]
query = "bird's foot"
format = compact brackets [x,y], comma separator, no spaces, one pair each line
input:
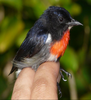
[59,90]
[67,73]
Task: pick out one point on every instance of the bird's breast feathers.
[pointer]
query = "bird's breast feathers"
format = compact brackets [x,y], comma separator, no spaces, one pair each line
[59,47]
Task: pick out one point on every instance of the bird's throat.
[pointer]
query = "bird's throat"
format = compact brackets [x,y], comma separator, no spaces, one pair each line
[59,47]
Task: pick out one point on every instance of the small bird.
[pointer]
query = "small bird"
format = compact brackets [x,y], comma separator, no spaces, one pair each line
[47,40]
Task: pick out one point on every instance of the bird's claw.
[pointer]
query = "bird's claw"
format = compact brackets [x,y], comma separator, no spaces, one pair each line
[67,73]
[62,76]
[59,90]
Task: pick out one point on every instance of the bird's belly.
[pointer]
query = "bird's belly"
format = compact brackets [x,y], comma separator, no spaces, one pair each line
[35,60]
[59,47]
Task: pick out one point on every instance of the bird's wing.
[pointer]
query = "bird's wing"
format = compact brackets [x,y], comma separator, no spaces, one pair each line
[31,46]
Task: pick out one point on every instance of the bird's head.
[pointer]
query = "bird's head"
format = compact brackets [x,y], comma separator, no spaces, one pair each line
[59,20]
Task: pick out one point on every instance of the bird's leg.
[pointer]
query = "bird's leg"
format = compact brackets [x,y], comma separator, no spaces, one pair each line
[59,90]
[67,73]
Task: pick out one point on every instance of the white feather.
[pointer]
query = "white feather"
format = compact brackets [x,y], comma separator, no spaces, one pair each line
[52,58]
[69,27]
[18,72]
[49,39]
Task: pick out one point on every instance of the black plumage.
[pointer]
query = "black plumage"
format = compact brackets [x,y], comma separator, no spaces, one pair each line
[54,21]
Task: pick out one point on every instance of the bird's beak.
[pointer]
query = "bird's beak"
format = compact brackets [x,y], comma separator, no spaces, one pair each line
[74,23]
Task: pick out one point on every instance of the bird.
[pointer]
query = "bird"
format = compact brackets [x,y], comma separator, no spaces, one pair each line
[46,41]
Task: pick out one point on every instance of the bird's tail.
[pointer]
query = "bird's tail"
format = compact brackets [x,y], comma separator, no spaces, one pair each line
[13,69]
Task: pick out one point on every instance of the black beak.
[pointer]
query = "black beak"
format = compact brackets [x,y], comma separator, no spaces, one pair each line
[74,23]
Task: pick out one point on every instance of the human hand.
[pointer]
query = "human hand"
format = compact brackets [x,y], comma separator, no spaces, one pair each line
[41,84]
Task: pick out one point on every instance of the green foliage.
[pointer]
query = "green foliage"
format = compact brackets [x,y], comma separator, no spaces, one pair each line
[13,3]
[69,60]
[8,36]
[86,96]
[3,84]
[18,16]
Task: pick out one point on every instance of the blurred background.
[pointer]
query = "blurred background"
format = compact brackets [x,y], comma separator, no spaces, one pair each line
[18,16]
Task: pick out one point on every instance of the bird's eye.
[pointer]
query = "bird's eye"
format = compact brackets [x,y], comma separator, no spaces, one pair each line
[61,19]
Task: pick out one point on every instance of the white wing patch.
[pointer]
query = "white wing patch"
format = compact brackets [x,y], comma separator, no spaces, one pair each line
[49,39]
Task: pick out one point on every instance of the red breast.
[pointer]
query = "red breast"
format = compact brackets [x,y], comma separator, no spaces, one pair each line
[59,47]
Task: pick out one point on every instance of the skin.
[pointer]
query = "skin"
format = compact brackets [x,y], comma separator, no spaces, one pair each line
[41,84]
